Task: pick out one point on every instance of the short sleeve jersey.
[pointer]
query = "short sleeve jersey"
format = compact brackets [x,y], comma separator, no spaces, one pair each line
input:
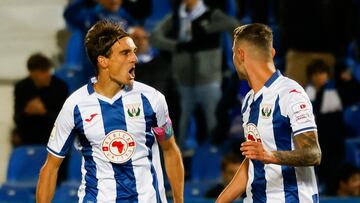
[121,161]
[274,115]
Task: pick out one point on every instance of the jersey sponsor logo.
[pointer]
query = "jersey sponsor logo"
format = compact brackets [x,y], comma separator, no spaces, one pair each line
[133,110]
[118,146]
[302,112]
[295,91]
[266,110]
[252,133]
[91,117]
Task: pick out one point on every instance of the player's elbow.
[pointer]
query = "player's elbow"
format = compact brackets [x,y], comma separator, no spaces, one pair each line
[317,157]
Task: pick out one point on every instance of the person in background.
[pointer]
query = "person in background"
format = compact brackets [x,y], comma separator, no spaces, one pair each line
[38,100]
[327,104]
[153,68]
[192,33]
[229,165]
[346,181]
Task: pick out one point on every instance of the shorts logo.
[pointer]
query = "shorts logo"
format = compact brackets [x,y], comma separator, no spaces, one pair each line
[266,110]
[252,133]
[133,110]
[118,146]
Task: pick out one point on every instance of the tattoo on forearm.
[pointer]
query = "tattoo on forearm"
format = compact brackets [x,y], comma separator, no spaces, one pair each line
[306,153]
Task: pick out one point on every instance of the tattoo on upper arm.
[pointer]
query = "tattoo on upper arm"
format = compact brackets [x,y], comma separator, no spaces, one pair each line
[306,153]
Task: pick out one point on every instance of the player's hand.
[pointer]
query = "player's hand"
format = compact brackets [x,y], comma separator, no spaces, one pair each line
[35,107]
[255,151]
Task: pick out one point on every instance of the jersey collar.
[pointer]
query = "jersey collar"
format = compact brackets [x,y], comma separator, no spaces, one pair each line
[268,83]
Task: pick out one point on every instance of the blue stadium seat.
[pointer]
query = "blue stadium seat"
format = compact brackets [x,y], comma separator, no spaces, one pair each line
[196,189]
[351,118]
[160,8]
[24,165]
[205,164]
[352,153]
[66,193]
[16,194]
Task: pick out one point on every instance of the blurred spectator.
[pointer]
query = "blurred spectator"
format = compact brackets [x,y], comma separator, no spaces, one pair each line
[139,9]
[346,181]
[329,117]
[153,68]
[80,15]
[348,86]
[229,166]
[322,33]
[38,99]
[192,33]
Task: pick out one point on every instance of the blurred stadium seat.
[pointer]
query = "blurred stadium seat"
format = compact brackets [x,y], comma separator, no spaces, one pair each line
[352,118]
[24,165]
[66,193]
[205,164]
[14,194]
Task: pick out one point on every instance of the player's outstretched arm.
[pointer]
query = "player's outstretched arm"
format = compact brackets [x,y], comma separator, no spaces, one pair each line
[306,153]
[237,186]
[47,179]
[174,168]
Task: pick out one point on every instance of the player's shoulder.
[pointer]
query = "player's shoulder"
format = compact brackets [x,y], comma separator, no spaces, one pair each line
[287,87]
[145,89]
[76,97]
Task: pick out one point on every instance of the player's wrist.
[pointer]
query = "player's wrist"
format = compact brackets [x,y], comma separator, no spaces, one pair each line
[271,158]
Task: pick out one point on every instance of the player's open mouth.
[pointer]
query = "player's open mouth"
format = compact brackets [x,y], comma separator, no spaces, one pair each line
[132,73]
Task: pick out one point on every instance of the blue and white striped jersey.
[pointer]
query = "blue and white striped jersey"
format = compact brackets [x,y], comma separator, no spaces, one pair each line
[274,115]
[121,159]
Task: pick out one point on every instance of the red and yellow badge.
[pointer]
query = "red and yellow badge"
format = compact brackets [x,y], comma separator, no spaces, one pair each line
[118,146]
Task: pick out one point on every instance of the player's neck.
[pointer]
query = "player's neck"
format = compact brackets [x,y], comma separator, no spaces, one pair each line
[259,74]
[107,87]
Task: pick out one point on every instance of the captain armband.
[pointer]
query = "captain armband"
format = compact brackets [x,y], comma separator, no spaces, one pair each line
[164,132]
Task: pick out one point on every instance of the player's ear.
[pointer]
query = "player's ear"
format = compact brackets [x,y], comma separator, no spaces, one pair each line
[273,52]
[102,61]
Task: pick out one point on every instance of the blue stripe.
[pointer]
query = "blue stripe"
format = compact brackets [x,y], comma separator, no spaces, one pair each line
[258,186]
[68,143]
[246,104]
[273,77]
[304,129]
[315,198]
[114,119]
[282,136]
[150,119]
[90,87]
[91,182]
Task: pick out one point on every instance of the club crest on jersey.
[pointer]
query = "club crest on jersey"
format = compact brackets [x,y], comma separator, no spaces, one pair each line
[252,133]
[266,110]
[118,146]
[133,110]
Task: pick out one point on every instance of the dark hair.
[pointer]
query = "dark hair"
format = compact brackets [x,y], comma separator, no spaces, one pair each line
[257,34]
[100,38]
[230,158]
[38,61]
[317,66]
